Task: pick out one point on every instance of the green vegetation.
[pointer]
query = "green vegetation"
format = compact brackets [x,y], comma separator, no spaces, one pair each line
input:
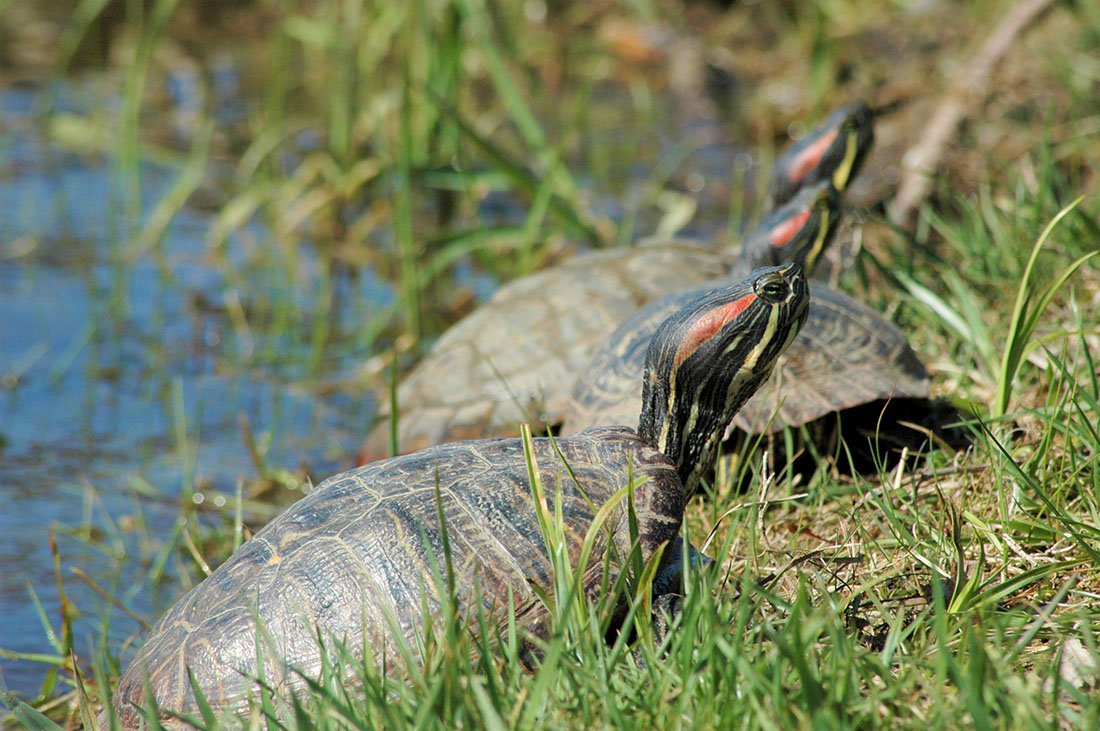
[961,590]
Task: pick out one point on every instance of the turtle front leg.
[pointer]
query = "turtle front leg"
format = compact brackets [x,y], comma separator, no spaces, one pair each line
[668,587]
[670,578]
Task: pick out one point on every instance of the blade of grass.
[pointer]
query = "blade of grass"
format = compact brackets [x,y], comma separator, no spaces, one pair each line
[527,181]
[1026,312]
[403,229]
[26,715]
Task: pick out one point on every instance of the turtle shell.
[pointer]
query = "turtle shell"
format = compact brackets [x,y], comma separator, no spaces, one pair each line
[846,355]
[514,360]
[351,560]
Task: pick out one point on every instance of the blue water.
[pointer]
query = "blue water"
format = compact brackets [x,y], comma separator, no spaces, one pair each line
[105,358]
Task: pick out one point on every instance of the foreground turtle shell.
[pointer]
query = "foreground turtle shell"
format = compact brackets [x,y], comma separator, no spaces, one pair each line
[514,360]
[351,551]
[352,561]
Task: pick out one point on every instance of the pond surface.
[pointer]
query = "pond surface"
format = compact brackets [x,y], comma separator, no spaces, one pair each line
[115,383]
[124,377]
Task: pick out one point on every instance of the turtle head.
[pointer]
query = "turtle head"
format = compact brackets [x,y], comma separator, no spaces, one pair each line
[798,232]
[833,151]
[708,359]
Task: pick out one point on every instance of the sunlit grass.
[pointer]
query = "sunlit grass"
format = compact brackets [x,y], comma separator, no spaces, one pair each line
[958,591]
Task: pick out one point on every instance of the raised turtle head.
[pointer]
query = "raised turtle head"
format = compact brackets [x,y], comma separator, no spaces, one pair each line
[708,358]
[833,151]
[798,232]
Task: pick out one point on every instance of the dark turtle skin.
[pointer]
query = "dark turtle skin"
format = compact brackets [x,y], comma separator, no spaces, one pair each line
[514,360]
[352,560]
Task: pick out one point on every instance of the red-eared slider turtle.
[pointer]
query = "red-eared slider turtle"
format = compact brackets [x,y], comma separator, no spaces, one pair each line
[851,373]
[352,561]
[833,151]
[515,359]
[848,355]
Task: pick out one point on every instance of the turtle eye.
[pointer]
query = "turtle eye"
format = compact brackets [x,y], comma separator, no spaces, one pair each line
[772,287]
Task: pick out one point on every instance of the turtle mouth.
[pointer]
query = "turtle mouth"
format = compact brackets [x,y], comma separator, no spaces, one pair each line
[799,301]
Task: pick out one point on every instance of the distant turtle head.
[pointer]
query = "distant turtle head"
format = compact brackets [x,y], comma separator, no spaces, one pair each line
[708,358]
[833,151]
[798,232]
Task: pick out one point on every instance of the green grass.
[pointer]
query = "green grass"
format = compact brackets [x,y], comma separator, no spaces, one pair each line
[958,591]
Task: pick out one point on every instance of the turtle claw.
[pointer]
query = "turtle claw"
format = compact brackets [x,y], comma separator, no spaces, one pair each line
[666,610]
[668,597]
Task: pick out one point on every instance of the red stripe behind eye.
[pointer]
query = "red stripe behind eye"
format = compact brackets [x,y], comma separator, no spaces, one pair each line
[705,328]
[811,156]
[788,229]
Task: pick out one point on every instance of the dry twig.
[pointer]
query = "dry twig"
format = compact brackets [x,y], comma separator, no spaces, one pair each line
[965,93]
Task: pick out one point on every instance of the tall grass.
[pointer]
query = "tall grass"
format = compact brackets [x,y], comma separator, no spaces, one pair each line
[958,591]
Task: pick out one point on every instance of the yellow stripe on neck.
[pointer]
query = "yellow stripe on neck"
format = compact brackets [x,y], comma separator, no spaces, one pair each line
[844,170]
[819,240]
[701,466]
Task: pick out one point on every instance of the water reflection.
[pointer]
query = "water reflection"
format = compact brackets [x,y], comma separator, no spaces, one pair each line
[120,372]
